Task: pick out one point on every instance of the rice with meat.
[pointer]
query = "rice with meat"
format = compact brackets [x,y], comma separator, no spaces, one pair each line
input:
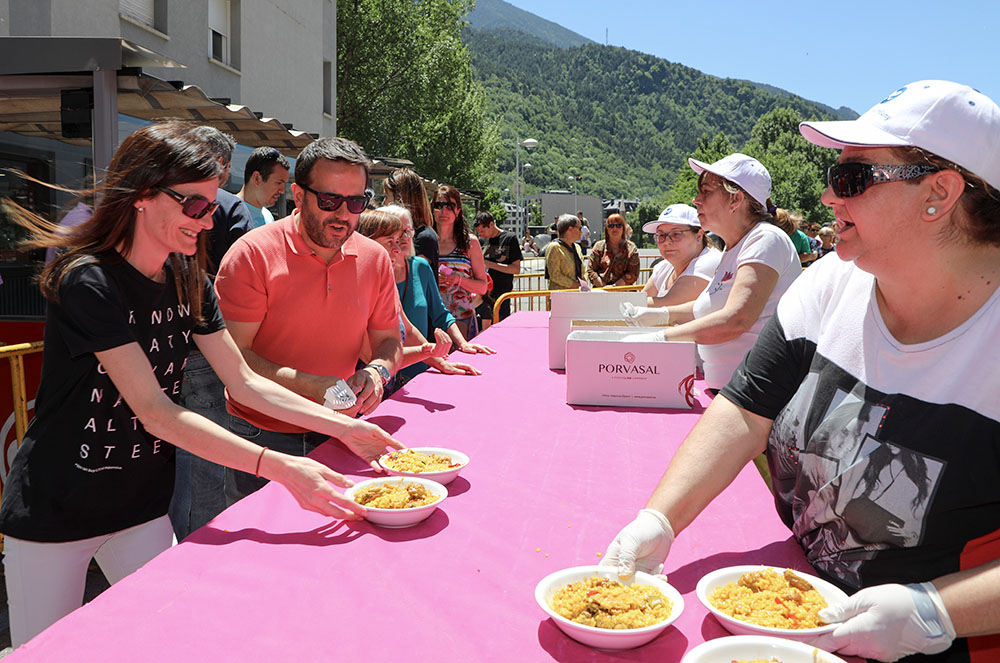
[766,598]
[397,495]
[417,461]
[607,603]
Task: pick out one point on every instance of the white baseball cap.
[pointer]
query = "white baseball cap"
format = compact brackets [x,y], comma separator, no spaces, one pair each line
[740,169]
[681,214]
[951,120]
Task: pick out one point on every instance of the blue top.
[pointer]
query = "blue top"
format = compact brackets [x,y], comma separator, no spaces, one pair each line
[422,305]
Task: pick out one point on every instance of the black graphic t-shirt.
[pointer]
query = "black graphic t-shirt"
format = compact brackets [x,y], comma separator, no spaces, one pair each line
[884,457]
[505,250]
[87,466]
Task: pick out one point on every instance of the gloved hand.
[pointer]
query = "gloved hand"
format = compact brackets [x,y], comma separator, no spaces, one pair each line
[642,544]
[888,622]
[645,337]
[643,316]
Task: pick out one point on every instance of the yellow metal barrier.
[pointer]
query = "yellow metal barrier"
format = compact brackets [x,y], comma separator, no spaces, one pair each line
[15,354]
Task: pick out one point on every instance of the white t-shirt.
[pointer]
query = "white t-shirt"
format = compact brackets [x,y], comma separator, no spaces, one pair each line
[765,244]
[703,266]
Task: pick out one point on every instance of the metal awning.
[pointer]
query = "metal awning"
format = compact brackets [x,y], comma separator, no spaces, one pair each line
[29,109]
[30,91]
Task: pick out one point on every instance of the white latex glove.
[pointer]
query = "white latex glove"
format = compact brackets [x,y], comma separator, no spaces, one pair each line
[645,337]
[888,622]
[643,316]
[642,544]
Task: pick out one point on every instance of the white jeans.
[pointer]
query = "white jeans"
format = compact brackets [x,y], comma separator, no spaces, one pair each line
[46,581]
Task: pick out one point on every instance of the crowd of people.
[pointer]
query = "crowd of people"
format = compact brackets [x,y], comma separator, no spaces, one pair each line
[184,317]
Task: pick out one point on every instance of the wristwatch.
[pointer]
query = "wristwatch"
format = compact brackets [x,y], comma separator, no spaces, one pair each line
[382,371]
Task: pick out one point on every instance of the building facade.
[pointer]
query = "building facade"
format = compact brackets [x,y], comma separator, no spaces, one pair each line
[278,57]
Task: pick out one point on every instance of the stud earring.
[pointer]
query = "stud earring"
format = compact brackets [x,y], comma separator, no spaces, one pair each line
[140,209]
[932,210]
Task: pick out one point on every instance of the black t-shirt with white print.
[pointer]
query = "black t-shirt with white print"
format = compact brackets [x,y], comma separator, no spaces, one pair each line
[87,466]
[884,457]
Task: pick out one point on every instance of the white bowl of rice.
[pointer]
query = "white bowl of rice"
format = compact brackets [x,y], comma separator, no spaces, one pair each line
[397,502]
[434,463]
[631,616]
[739,648]
[761,609]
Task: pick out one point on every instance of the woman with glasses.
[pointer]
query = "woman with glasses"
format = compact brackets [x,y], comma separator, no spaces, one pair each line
[614,260]
[404,187]
[689,260]
[754,271]
[461,268]
[128,298]
[873,390]
[424,314]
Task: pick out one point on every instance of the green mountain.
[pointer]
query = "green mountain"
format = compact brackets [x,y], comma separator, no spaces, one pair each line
[494,14]
[623,120]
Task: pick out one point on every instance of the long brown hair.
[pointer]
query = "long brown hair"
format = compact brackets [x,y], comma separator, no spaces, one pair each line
[407,189]
[158,155]
[460,231]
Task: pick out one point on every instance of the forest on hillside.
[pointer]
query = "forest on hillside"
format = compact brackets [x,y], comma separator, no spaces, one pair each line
[622,120]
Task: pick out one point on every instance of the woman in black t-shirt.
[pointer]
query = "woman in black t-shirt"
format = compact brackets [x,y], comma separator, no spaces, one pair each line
[127,298]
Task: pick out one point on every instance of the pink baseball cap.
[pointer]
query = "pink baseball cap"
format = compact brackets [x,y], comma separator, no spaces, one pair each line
[951,120]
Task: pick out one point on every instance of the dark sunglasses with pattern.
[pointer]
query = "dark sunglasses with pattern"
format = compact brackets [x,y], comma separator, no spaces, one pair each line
[193,206]
[853,179]
[331,202]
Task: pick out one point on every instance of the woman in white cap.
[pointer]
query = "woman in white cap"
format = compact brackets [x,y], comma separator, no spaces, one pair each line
[756,268]
[874,390]
[689,259]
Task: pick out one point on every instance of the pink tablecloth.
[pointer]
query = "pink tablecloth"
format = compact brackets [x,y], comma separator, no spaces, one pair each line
[548,486]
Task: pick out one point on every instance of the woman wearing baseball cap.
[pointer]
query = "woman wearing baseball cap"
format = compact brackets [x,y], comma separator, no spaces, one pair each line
[757,267]
[689,260]
[874,390]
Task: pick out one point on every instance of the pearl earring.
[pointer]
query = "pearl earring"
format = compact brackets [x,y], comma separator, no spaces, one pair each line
[139,208]
[932,210]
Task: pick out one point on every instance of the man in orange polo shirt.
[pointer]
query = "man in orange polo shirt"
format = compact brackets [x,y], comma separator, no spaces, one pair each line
[300,294]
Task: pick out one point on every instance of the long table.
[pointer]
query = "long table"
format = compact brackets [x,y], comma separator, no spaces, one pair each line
[548,486]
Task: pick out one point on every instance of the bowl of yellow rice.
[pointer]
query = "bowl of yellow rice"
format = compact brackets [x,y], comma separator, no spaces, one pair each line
[765,600]
[593,606]
[397,501]
[434,463]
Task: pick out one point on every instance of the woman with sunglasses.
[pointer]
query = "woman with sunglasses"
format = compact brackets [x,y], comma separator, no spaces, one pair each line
[461,269]
[754,271]
[614,260]
[891,344]
[127,298]
[689,259]
[424,314]
[404,187]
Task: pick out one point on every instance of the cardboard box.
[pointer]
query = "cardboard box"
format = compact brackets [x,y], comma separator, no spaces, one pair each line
[603,369]
[571,305]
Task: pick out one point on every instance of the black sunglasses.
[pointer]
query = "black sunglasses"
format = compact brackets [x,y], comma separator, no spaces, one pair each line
[331,202]
[852,179]
[443,204]
[193,206]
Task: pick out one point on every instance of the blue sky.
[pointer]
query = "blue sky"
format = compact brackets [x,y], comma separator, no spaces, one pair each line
[838,52]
